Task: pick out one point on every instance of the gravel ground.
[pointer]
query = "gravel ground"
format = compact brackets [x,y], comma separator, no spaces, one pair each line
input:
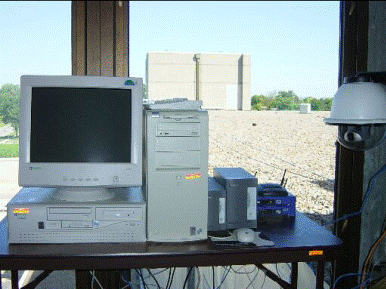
[268,143]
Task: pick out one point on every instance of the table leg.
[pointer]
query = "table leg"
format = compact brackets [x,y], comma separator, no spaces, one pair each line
[320,275]
[82,279]
[15,279]
[294,274]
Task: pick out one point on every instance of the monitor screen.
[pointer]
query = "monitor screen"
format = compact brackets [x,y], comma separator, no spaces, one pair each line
[80,131]
[80,125]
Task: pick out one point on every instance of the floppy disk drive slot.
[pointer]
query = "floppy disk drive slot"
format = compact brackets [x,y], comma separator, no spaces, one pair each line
[69,213]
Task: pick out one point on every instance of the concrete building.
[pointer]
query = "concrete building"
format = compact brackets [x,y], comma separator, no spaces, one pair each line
[220,80]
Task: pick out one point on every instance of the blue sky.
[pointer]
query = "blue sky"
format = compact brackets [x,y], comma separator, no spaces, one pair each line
[293,45]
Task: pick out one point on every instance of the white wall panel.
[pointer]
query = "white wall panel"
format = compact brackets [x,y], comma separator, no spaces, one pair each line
[224,80]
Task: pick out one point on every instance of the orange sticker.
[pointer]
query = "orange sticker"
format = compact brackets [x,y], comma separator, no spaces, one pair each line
[23,211]
[193,176]
[315,253]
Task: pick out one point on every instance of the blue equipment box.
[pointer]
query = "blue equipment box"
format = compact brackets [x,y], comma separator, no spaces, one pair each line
[274,200]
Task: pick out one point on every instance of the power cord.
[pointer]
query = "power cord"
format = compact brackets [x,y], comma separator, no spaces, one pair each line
[139,272]
[370,256]
[126,280]
[155,279]
[171,278]
[251,281]
[224,276]
[371,252]
[94,279]
[187,277]
[348,275]
[368,193]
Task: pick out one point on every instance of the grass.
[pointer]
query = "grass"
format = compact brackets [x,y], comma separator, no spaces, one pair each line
[9,150]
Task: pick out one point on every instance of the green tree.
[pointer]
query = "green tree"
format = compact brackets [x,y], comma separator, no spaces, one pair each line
[327,102]
[321,104]
[260,102]
[286,100]
[9,105]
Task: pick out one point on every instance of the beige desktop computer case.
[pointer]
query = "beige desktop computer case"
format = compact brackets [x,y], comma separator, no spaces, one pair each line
[176,171]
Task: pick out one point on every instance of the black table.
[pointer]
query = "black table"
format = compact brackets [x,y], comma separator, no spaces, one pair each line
[299,240]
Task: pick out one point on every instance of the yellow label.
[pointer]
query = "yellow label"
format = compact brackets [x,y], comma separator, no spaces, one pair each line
[315,253]
[22,211]
[193,176]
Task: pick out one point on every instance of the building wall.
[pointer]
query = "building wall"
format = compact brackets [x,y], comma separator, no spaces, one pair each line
[221,81]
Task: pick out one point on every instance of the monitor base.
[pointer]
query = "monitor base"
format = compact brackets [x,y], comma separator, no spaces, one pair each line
[83,194]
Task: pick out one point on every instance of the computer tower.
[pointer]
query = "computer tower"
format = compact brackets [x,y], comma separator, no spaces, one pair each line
[176,174]
[241,194]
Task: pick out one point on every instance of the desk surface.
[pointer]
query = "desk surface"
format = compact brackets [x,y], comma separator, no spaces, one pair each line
[297,241]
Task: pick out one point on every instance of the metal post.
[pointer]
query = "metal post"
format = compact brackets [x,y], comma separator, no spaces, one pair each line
[197,58]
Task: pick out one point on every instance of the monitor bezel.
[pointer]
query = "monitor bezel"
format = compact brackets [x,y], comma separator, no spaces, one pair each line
[76,174]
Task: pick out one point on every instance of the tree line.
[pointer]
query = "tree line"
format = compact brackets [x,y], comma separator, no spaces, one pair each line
[288,100]
[9,105]
[283,100]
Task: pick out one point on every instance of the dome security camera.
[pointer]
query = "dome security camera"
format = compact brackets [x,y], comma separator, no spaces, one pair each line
[361,137]
[359,111]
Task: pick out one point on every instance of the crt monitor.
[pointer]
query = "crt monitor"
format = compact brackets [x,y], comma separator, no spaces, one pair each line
[80,133]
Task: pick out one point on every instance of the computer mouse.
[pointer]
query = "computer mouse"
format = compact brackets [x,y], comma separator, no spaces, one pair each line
[245,235]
